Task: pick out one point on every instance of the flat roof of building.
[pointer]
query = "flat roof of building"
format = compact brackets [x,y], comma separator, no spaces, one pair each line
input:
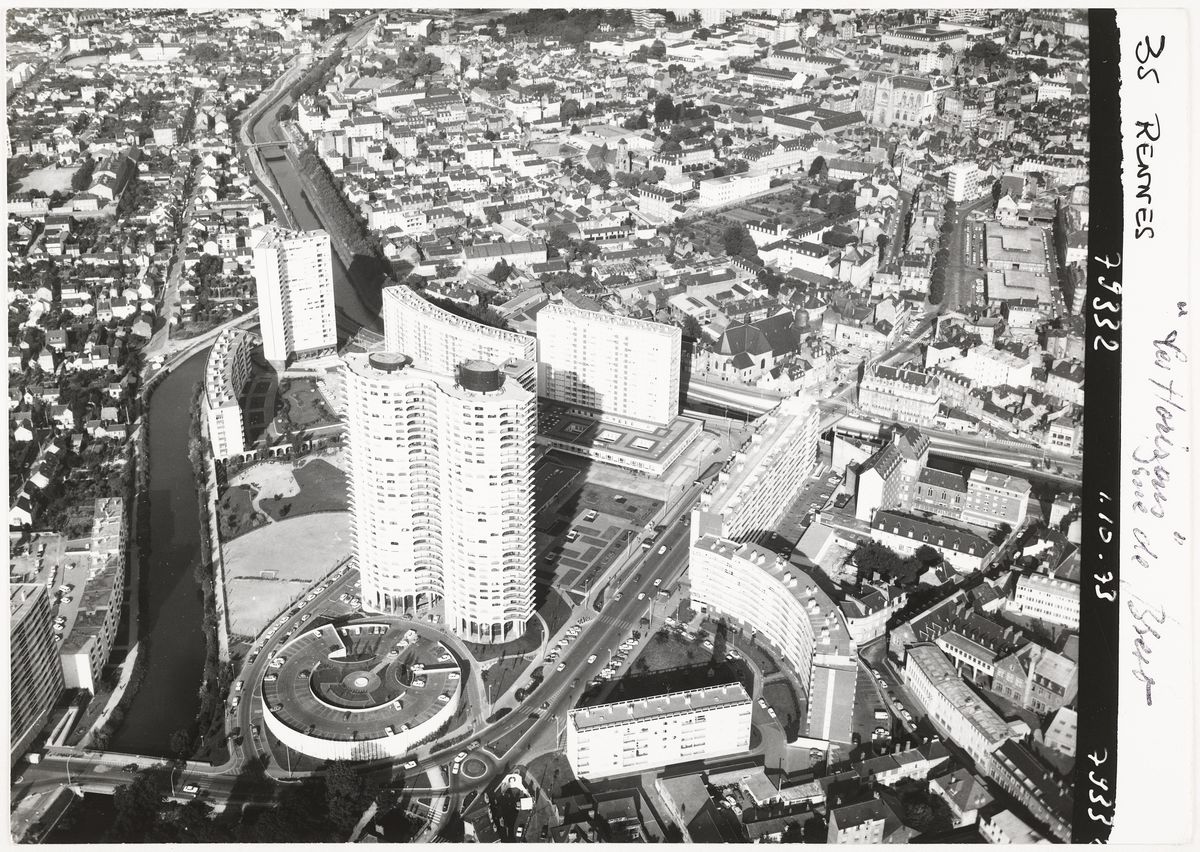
[945,678]
[622,712]
[830,635]
[588,427]
[359,670]
[773,433]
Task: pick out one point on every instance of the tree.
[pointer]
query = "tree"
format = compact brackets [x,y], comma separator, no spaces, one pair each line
[500,272]
[569,109]
[137,805]
[284,113]
[692,328]
[702,34]
[817,166]
[181,743]
[664,109]
[882,242]
[997,193]
[927,556]
[734,238]
[658,50]
[347,795]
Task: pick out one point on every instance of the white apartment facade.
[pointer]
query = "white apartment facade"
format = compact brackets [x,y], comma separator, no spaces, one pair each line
[1048,599]
[225,375]
[717,192]
[963,182]
[88,644]
[953,706]
[293,271]
[628,369]
[759,482]
[440,341]
[650,733]
[755,587]
[441,492]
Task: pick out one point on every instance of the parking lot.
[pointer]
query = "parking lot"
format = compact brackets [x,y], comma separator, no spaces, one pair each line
[583,527]
[813,496]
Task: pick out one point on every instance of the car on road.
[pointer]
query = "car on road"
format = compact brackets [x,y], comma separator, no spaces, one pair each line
[658,582]
[233,705]
[591,659]
[771,712]
[454,769]
[237,687]
[617,596]
[662,549]
[305,617]
[561,667]
[460,757]
[574,683]
[278,661]
[412,764]
[897,705]
[545,705]
[762,702]
[641,596]
[708,645]
[908,717]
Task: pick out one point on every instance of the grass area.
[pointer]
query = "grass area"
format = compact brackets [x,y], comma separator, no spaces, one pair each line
[555,611]
[195,328]
[503,675]
[302,405]
[552,771]
[48,180]
[502,745]
[780,695]
[322,489]
[236,515]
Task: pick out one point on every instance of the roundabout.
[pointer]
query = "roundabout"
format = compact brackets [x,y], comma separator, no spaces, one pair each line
[364,690]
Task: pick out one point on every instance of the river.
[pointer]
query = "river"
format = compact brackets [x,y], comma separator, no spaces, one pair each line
[168,699]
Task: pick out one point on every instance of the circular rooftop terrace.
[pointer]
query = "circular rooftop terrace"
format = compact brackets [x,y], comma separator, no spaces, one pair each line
[360,691]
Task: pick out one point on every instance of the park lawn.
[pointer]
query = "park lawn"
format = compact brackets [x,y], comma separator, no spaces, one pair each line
[236,515]
[322,489]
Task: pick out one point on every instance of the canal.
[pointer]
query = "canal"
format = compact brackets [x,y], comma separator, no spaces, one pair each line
[168,699]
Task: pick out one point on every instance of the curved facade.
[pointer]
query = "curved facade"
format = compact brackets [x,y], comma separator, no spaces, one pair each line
[441,492]
[439,341]
[757,588]
[225,374]
[362,691]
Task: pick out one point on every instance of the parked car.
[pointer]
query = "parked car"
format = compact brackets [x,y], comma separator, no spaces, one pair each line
[412,764]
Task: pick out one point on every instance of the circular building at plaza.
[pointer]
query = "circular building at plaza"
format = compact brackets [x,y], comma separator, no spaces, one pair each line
[361,691]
